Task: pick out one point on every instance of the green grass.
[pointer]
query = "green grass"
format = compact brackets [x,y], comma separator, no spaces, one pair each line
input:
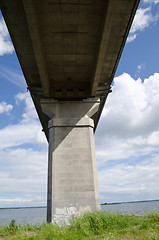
[99,225]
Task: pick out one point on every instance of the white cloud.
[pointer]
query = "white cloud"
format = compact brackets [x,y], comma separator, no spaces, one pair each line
[131,38]
[28,130]
[23,170]
[127,141]
[127,138]
[142,20]
[5,108]
[29,109]
[6,46]
[140,67]
[23,200]
[23,159]
[151,1]
[13,76]
[131,108]
[130,182]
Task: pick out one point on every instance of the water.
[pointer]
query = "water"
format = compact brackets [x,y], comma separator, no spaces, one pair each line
[133,208]
[38,215]
[23,215]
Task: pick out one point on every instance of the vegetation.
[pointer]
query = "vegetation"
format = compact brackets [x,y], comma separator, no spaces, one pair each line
[99,225]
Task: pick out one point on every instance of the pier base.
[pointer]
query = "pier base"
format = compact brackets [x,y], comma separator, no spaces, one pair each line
[72,172]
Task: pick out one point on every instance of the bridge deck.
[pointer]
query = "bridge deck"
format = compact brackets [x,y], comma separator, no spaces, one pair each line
[68,49]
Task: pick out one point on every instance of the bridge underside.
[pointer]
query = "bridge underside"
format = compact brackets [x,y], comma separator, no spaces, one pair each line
[69,51]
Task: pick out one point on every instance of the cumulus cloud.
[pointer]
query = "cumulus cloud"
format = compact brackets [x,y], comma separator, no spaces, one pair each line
[27,131]
[127,141]
[131,109]
[29,109]
[128,182]
[23,168]
[5,108]
[143,19]
[23,158]
[6,46]
[127,138]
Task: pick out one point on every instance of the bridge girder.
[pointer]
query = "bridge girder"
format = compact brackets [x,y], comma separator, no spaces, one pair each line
[68,49]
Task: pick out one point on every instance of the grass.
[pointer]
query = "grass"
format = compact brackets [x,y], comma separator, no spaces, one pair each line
[99,225]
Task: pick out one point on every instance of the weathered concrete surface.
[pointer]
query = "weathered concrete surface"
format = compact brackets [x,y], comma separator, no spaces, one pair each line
[72,176]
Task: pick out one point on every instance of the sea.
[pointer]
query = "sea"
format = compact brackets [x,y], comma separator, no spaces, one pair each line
[37,215]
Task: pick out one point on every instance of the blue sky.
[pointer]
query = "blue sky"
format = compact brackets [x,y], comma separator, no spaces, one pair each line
[127,137]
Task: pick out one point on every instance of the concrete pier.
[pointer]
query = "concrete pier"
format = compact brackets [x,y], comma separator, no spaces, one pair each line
[72,171]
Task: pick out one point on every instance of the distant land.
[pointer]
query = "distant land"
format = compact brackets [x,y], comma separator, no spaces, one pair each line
[130,202]
[101,204]
[22,207]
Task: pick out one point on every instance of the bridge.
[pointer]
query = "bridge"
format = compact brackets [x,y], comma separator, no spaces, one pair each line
[69,51]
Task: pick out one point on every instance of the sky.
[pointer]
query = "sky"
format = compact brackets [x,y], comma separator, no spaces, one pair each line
[127,136]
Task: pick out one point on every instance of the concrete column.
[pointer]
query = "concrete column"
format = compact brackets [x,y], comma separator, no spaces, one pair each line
[72,172]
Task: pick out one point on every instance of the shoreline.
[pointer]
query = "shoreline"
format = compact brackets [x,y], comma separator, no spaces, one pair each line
[142,201]
[22,207]
[113,203]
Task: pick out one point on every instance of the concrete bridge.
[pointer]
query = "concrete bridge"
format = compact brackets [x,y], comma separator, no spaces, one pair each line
[69,51]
